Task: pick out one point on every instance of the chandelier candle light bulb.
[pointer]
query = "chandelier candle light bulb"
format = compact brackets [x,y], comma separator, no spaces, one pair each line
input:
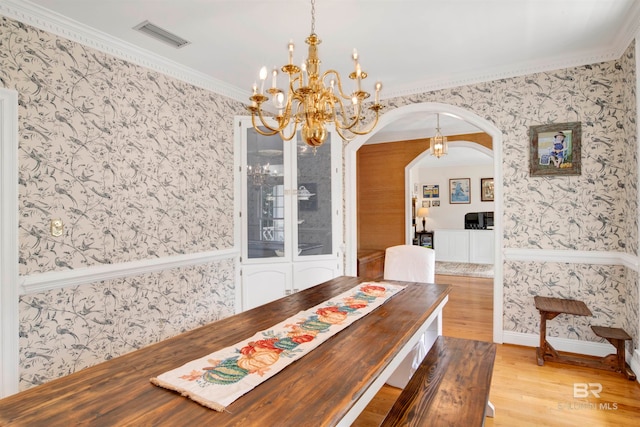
[263,77]
[303,67]
[313,99]
[290,47]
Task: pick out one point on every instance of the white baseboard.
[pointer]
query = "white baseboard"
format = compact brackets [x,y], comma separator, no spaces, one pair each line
[634,362]
[572,346]
[561,344]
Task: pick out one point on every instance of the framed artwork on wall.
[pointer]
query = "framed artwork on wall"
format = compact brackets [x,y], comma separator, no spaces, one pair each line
[555,149]
[426,203]
[459,190]
[430,191]
[435,203]
[486,189]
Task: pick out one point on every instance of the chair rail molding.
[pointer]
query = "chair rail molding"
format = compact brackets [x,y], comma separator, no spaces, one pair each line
[81,276]
[576,257]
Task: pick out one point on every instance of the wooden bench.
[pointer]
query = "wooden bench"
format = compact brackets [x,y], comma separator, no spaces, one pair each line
[450,387]
[615,362]
[549,308]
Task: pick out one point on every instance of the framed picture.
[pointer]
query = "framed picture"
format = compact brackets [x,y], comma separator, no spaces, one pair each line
[430,191]
[426,240]
[435,203]
[426,203]
[486,189]
[459,190]
[555,149]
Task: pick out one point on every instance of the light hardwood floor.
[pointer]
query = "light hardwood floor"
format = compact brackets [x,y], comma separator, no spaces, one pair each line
[523,393]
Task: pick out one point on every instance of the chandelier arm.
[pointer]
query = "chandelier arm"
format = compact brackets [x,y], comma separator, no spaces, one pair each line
[281,123]
[338,82]
[349,125]
[342,112]
[293,132]
[344,136]
[370,127]
[259,130]
[295,115]
[293,97]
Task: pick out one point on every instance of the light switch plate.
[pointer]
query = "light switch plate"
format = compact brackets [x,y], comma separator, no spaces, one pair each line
[57,227]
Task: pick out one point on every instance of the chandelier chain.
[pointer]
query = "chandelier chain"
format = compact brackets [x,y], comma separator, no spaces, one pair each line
[313,16]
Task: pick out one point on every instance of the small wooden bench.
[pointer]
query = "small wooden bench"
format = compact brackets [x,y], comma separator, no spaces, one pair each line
[450,387]
[549,308]
[615,362]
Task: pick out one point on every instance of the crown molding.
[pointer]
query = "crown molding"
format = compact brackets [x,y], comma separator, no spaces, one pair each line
[630,30]
[510,71]
[36,16]
[29,13]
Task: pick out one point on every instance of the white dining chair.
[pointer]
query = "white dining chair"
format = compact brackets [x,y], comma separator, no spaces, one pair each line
[410,263]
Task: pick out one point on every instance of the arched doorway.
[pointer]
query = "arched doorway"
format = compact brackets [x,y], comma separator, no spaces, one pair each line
[459,152]
[351,149]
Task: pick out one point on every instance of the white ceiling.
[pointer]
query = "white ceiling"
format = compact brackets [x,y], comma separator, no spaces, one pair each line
[412,46]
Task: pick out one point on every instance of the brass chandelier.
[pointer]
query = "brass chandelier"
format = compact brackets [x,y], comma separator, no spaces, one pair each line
[438,143]
[312,103]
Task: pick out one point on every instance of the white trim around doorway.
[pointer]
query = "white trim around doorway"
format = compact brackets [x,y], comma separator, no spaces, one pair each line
[351,208]
[8,242]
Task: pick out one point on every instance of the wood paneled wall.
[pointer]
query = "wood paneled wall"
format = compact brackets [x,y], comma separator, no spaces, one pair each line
[380,175]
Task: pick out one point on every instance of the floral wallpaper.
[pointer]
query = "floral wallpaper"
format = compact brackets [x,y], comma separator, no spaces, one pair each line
[138,166]
[596,211]
[603,289]
[67,329]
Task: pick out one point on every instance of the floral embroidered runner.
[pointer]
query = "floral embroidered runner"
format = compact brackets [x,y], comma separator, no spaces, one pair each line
[219,378]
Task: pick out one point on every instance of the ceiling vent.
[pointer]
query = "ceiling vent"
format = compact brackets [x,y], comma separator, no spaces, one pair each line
[156,32]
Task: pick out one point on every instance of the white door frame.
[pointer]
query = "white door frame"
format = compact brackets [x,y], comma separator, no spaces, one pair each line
[351,207]
[9,365]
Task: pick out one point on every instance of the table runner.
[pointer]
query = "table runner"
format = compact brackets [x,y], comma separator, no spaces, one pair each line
[218,379]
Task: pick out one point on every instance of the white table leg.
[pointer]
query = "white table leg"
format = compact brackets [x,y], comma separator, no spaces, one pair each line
[491,410]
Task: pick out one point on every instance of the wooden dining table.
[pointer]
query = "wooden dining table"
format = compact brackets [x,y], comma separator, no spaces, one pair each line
[329,386]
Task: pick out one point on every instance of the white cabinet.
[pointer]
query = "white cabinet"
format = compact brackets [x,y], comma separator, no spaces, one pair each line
[451,245]
[470,246]
[481,244]
[291,214]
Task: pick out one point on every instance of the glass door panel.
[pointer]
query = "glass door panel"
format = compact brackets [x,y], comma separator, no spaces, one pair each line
[314,205]
[265,185]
